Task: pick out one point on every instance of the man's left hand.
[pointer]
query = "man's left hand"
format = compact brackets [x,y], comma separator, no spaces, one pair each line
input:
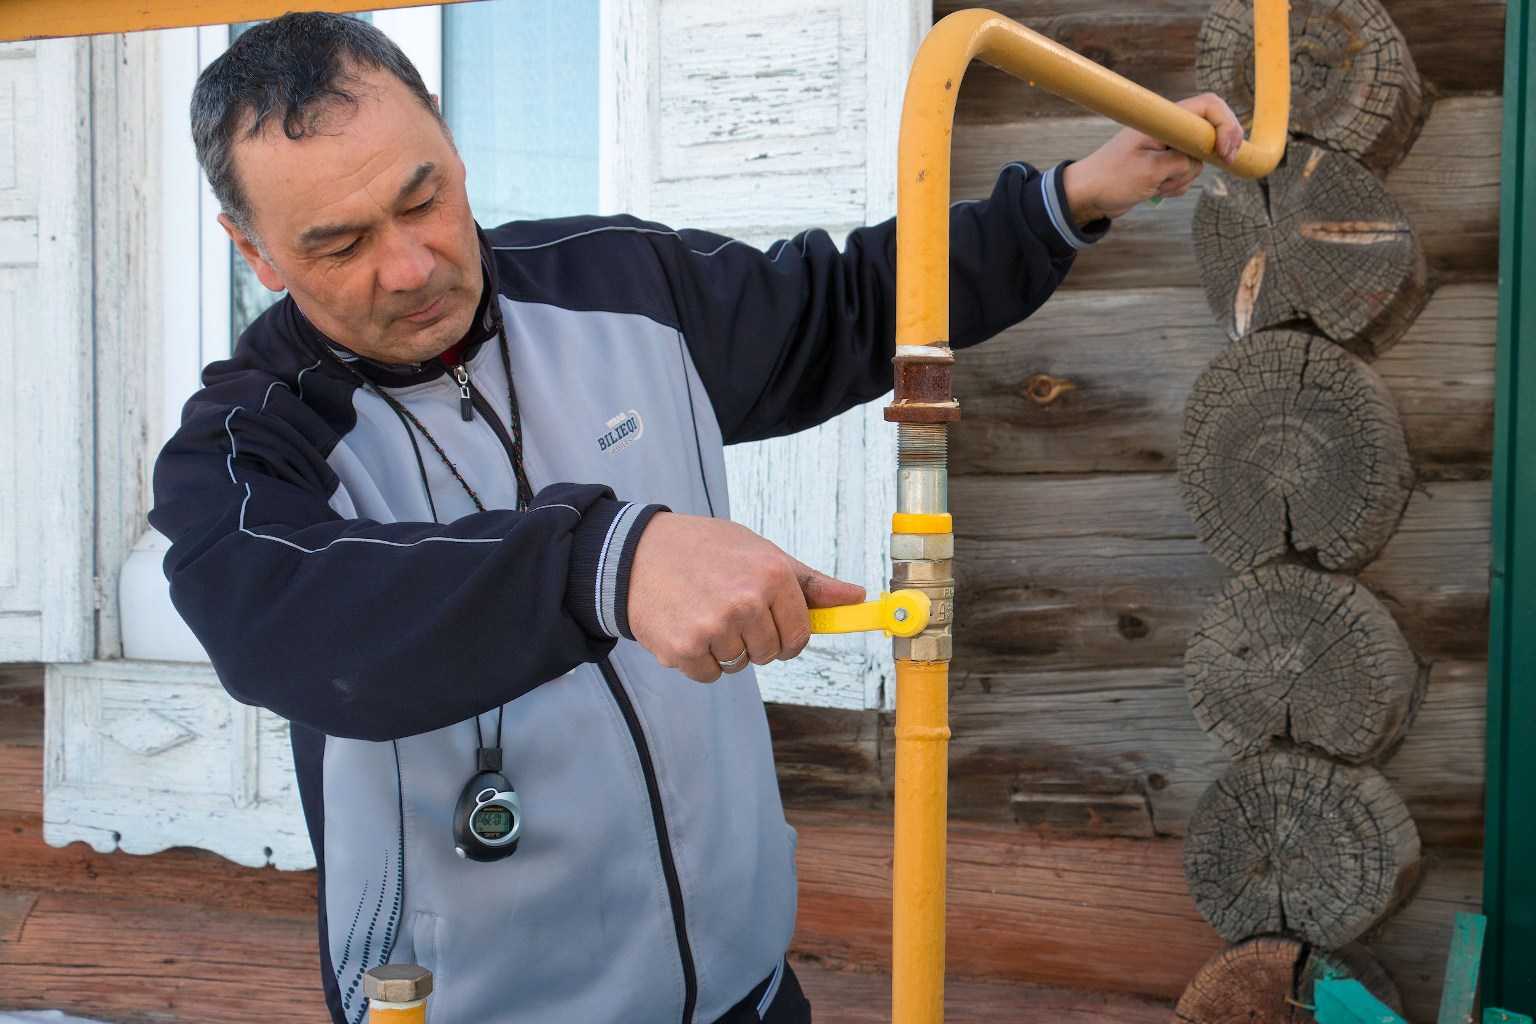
[1132,167]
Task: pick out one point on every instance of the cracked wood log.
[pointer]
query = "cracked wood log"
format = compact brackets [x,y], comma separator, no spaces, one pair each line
[1289,653]
[1318,240]
[1270,980]
[1354,87]
[1294,844]
[1096,381]
[1292,447]
[1060,571]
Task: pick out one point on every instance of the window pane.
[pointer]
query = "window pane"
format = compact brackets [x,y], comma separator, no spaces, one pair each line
[520,93]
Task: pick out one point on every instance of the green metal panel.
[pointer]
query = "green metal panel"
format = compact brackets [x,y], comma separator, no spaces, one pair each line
[1346,1001]
[1509,897]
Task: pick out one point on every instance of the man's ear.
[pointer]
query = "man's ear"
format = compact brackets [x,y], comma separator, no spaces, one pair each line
[437,104]
[265,272]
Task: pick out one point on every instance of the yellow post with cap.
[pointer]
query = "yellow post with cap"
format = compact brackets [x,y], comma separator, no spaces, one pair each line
[397,994]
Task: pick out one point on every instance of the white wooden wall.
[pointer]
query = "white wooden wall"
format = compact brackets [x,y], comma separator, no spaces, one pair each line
[758,122]
[758,125]
[47,598]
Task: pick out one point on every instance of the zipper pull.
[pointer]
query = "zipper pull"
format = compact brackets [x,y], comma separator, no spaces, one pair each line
[466,404]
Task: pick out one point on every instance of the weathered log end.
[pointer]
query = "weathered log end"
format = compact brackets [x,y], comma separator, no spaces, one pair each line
[1319,240]
[1294,844]
[1270,981]
[1291,654]
[1354,86]
[1292,447]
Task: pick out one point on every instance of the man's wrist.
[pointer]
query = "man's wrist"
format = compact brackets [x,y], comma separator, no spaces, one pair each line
[603,551]
[1077,183]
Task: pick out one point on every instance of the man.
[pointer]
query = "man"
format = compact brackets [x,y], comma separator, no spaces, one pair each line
[456,509]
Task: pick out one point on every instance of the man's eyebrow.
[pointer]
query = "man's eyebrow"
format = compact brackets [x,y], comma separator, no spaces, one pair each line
[325,232]
[417,177]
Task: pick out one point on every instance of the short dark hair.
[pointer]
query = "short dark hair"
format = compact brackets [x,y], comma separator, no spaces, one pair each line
[292,67]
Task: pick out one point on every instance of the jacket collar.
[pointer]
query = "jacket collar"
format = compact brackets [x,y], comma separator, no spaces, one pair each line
[485,326]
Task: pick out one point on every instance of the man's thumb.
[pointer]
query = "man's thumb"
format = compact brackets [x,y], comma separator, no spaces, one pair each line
[822,591]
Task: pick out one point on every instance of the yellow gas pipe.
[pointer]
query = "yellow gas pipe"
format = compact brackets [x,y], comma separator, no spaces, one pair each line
[922,538]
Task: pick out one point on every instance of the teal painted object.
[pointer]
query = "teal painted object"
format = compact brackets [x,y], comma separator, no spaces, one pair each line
[1458,1000]
[1346,1001]
[1505,1017]
[1509,893]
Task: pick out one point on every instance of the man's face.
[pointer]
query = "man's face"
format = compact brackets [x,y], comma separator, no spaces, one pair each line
[366,222]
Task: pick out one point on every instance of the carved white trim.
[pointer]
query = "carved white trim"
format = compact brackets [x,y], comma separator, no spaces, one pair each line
[143,756]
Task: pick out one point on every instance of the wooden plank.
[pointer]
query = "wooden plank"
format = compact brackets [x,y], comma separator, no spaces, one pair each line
[1077,572]
[1071,913]
[195,876]
[1448,187]
[827,757]
[1077,913]
[21,744]
[1438,769]
[1433,573]
[43,19]
[864,997]
[136,961]
[1088,753]
[1441,376]
[1106,572]
[1096,381]
[1458,1001]
[15,908]
[1456,47]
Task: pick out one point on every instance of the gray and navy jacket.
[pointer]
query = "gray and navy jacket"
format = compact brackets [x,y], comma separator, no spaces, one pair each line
[338,575]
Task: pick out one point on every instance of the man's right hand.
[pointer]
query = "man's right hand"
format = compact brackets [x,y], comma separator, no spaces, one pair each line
[702,591]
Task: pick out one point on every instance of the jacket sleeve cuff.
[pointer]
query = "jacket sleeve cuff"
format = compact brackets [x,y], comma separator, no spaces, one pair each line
[1048,212]
[603,549]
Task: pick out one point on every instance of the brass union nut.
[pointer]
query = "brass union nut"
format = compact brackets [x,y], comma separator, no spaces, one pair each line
[932,645]
[922,546]
[939,572]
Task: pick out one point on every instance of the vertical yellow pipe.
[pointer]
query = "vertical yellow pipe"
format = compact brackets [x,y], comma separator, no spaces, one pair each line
[922,790]
[924,405]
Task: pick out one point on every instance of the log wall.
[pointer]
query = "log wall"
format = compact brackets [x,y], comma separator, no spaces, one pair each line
[1076,762]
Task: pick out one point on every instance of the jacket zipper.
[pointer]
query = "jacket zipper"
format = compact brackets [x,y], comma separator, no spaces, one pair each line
[470,398]
[663,839]
[466,393]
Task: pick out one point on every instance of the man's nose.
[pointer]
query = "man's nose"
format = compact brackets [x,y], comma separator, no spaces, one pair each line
[405,263]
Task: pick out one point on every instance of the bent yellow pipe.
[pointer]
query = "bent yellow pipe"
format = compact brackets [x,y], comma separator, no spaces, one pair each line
[924,405]
[928,115]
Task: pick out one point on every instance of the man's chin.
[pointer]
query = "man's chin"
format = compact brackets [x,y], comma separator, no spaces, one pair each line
[427,342]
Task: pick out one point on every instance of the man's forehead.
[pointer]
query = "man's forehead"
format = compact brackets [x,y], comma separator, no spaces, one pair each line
[367,141]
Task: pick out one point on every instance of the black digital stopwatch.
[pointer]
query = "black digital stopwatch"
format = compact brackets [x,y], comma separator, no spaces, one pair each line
[488,818]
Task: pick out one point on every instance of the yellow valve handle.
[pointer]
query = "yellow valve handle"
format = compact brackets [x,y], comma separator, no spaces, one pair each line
[901,613]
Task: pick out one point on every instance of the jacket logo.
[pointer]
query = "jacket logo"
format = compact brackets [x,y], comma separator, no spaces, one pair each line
[623,430]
